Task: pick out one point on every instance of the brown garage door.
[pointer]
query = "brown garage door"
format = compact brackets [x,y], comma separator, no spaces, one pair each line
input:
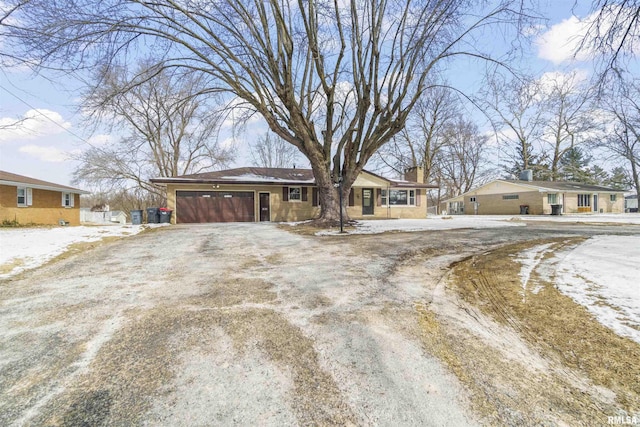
[214,206]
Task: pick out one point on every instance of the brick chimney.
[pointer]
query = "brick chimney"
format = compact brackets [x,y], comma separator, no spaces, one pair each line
[414,174]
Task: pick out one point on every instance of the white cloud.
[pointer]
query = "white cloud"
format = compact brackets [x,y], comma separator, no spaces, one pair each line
[33,124]
[561,42]
[47,154]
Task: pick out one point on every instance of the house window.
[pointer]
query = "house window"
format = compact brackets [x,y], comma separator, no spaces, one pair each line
[510,197]
[25,196]
[295,194]
[552,199]
[612,197]
[584,200]
[398,197]
[67,200]
[472,199]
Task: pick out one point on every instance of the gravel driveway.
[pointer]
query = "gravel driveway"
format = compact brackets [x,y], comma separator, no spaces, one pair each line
[233,324]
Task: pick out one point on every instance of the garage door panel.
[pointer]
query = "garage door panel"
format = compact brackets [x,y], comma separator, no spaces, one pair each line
[215,206]
[186,208]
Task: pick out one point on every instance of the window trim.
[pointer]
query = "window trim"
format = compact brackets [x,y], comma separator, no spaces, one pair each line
[299,199]
[581,200]
[70,203]
[613,198]
[411,197]
[28,197]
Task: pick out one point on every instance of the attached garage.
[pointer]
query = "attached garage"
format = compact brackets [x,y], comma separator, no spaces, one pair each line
[214,206]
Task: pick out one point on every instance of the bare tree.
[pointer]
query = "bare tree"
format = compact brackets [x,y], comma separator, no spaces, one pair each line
[421,140]
[171,131]
[569,121]
[614,32]
[424,139]
[336,79]
[623,138]
[463,157]
[514,107]
[271,151]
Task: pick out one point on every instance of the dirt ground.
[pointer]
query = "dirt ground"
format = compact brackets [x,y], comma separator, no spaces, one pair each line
[251,324]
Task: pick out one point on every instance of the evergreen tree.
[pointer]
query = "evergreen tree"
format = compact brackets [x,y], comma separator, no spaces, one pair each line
[619,179]
[574,166]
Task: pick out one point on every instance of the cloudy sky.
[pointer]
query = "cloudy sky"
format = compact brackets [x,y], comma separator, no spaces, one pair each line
[49,132]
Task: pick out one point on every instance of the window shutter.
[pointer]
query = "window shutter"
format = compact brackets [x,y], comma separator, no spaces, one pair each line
[417,197]
[72,198]
[314,196]
[29,195]
[351,198]
[378,197]
[304,194]
[285,194]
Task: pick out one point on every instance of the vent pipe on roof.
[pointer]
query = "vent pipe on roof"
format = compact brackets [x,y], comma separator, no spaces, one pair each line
[526,175]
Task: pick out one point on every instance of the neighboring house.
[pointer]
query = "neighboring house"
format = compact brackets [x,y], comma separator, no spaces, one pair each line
[276,194]
[631,203]
[118,217]
[32,201]
[509,197]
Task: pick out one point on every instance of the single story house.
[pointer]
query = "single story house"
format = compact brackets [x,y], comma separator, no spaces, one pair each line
[514,197]
[251,194]
[33,201]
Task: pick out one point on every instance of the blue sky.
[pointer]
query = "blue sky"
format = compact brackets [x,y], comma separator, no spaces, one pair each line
[41,146]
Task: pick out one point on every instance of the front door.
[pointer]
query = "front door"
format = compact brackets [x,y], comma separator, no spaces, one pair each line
[595,203]
[367,201]
[265,214]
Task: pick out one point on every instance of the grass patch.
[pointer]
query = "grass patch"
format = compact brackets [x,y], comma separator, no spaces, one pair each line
[561,329]
[8,267]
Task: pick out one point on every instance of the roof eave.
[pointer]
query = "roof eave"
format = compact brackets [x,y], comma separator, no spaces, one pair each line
[61,189]
[228,182]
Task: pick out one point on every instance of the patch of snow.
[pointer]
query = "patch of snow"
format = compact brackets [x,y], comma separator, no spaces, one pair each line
[28,248]
[602,274]
[626,218]
[262,178]
[529,260]
[431,223]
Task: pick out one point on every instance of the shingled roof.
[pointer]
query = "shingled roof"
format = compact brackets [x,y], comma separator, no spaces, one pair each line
[13,179]
[567,186]
[269,176]
[246,175]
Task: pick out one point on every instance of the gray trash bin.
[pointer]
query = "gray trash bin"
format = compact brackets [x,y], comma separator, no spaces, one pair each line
[136,217]
[165,215]
[153,215]
[556,209]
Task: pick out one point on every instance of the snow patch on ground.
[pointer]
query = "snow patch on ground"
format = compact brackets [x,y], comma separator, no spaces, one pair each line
[27,248]
[602,274]
[529,260]
[431,223]
[627,218]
